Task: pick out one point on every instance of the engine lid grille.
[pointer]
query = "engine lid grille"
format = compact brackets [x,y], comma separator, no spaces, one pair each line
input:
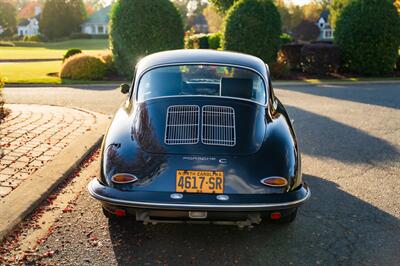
[218,125]
[182,125]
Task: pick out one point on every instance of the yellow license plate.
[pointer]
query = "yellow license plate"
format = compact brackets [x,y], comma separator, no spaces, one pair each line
[200,181]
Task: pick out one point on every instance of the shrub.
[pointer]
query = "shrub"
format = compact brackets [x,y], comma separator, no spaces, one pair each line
[3,111]
[197,41]
[291,54]
[139,28]
[280,70]
[398,62]
[108,59]
[253,27]
[33,38]
[320,58]
[286,38]
[214,40]
[368,35]
[80,35]
[71,52]
[203,41]
[6,44]
[84,67]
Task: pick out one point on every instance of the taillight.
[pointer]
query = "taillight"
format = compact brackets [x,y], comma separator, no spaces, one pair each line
[123,178]
[274,181]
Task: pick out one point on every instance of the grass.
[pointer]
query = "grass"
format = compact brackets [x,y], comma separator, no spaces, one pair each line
[35,72]
[51,50]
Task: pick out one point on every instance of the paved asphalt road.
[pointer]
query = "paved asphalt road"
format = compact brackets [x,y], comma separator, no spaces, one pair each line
[350,141]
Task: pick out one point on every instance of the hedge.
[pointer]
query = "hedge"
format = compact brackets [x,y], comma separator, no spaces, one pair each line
[320,58]
[203,41]
[139,28]
[292,55]
[368,35]
[253,27]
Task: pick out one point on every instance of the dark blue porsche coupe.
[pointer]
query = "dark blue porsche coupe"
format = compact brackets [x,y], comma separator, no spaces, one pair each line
[201,137]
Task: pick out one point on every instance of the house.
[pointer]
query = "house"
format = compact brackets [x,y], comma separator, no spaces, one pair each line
[97,23]
[29,26]
[326,32]
[198,23]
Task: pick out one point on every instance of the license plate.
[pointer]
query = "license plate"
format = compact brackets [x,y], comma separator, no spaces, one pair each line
[200,181]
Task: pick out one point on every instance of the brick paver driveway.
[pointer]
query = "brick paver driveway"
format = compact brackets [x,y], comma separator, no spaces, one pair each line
[32,135]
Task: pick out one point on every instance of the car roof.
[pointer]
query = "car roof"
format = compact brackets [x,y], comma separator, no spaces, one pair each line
[190,56]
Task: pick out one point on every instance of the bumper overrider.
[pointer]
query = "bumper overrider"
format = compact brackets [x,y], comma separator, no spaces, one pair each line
[204,202]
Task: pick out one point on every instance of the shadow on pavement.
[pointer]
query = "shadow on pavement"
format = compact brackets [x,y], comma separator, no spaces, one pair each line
[337,140]
[386,95]
[333,227]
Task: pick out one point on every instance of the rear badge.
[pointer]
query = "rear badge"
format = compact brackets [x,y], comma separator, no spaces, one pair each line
[176,196]
[222,197]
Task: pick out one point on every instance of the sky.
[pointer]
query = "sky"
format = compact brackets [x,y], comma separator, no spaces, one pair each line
[299,2]
[296,2]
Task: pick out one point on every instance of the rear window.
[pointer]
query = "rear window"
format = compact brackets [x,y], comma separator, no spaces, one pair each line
[202,80]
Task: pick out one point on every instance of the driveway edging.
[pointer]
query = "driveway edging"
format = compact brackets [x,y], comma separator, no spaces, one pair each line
[29,195]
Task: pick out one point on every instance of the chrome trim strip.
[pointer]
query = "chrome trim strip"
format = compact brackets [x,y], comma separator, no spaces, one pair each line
[266,83]
[117,182]
[270,185]
[219,206]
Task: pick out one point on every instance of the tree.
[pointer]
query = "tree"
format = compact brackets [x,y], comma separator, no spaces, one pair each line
[306,31]
[312,11]
[222,5]
[368,35]
[8,21]
[60,18]
[335,8]
[139,28]
[291,15]
[253,27]
[214,19]
[397,5]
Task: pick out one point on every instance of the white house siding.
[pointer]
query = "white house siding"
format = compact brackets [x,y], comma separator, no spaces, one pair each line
[31,29]
[95,29]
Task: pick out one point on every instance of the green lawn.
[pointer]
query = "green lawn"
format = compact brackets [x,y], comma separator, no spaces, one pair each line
[51,50]
[35,72]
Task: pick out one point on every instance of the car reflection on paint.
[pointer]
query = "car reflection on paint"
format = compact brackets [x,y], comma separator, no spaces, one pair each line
[201,137]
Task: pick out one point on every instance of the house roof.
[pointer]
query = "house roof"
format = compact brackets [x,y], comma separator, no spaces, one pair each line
[100,17]
[28,10]
[325,15]
[25,21]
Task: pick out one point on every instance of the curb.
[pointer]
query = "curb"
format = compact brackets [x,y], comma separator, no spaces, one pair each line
[30,194]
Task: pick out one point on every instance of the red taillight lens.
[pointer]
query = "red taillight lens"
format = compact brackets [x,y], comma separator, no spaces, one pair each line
[274,181]
[276,215]
[120,212]
[123,178]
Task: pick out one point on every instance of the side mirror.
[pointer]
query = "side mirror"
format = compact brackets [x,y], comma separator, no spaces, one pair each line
[124,88]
